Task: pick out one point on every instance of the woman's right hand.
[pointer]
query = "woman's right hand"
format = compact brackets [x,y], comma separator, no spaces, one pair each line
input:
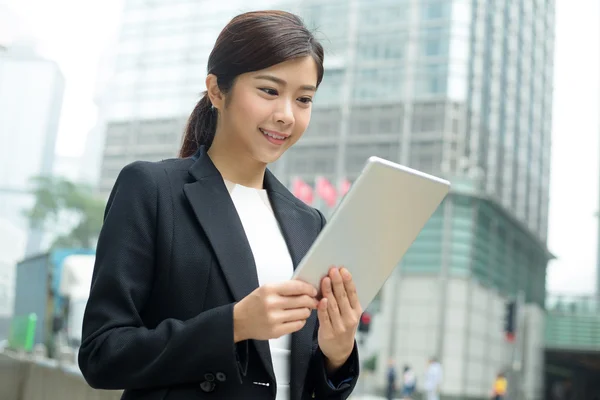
[274,310]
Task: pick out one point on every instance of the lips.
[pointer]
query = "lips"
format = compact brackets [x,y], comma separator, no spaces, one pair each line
[274,134]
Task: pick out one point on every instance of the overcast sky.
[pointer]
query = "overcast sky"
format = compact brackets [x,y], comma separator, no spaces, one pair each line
[75,33]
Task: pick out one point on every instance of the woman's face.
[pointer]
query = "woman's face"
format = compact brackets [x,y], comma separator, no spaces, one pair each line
[267,111]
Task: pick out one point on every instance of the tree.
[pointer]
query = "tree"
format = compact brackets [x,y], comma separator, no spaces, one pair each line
[69,211]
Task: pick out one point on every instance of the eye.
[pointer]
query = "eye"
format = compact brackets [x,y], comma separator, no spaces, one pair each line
[270,92]
[305,100]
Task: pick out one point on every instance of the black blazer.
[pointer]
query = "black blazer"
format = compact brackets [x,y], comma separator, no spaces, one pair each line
[172,260]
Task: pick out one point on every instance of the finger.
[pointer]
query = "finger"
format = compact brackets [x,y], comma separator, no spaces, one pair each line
[296,314]
[339,290]
[304,301]
[289,327]
[332,306]
[295,287]
[323,315]
[351,291]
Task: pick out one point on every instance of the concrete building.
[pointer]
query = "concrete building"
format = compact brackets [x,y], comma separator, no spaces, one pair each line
[458,88]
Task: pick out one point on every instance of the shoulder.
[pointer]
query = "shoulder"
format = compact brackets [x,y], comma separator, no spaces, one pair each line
[145,180]
[157,167]
[145,171]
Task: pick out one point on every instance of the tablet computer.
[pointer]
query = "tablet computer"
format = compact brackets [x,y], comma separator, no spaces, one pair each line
[374,225]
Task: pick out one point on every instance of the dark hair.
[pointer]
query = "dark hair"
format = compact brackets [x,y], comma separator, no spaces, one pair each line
[250,42]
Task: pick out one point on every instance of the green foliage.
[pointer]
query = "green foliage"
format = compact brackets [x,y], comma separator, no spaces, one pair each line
[68,210]
[370,364]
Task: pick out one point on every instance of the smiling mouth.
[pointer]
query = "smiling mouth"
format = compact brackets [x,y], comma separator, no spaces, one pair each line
[273,135]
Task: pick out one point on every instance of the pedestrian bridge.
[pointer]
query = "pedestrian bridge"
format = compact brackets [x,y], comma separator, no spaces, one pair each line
[573,323]
[572,341]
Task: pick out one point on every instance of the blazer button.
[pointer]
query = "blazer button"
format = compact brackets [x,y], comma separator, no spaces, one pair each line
[209,377]
[207,386]
[221,377]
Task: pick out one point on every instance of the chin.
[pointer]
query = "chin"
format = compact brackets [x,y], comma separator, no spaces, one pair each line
[269,157]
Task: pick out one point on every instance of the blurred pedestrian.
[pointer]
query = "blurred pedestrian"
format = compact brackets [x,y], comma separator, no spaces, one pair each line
[391,381]
[500,387]
[433,379]
[409,382]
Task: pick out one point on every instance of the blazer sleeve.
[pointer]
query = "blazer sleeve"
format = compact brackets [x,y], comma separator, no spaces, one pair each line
[117,350]
[342,384]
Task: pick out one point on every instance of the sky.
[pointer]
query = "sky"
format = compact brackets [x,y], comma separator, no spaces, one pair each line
[76,33]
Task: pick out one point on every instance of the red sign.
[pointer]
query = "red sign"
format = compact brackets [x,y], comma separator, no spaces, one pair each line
[302,191]
[326,191]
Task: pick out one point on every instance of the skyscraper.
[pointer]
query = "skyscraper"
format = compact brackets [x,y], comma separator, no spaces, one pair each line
[457,88]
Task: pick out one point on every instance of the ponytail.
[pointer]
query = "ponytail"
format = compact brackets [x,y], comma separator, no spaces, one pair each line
[200,128]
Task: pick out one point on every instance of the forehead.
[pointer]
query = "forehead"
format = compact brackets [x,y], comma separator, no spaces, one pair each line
[297,72]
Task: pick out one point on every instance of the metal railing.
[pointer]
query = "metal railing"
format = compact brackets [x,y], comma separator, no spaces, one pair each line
[573,323]
[573,304]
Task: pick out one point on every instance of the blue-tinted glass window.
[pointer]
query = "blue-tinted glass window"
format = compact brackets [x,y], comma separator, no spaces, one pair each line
[329,90]
[433,10]
[431,79]
[378,83]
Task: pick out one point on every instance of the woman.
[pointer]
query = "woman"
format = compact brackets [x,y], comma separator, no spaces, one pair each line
[191,295]
[409,382]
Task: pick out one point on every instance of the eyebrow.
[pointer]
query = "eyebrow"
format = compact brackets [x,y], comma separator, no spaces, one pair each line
[283,83]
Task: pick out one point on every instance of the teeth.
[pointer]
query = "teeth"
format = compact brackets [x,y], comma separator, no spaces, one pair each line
[272,135]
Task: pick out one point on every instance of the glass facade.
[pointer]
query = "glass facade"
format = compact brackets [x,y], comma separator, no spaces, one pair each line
[481,242]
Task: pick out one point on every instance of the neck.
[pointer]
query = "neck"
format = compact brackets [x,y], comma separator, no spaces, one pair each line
[236,165]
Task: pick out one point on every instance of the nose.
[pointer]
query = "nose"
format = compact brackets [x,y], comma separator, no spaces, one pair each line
[284,114]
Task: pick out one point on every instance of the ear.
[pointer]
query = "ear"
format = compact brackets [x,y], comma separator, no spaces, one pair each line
[214,93]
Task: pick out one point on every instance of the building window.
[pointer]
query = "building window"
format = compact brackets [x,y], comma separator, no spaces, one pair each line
[311,160]
[357,154]
[434,10]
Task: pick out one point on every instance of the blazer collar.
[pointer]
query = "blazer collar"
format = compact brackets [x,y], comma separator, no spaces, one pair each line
[203,167]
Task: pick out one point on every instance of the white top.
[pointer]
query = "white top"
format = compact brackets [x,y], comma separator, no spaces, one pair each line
[273,263]
[433,377]
[409,378]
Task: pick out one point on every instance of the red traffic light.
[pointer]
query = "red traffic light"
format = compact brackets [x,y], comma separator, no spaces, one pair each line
[365,318]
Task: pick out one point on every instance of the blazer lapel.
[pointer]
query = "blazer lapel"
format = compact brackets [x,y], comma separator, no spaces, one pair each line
[216,213]
[299,231]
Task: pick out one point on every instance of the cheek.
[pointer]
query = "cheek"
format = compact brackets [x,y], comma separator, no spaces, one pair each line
[253,108]
[302,118]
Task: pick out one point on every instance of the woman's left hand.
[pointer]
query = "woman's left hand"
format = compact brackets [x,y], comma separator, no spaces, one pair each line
[339,313]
